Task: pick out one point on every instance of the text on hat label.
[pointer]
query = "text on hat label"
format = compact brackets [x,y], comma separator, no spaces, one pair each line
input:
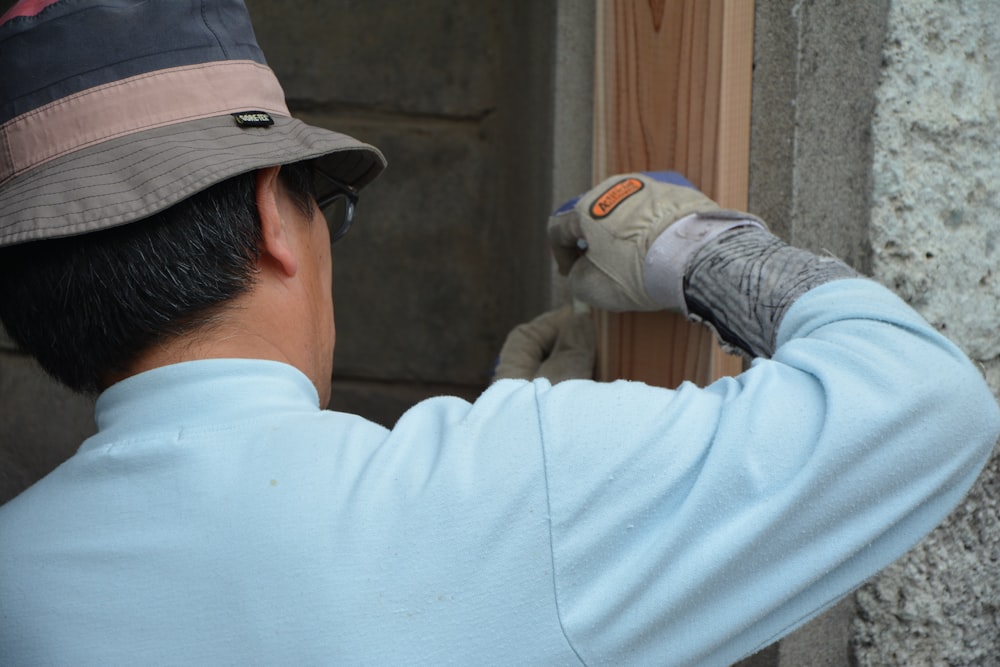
[253,119]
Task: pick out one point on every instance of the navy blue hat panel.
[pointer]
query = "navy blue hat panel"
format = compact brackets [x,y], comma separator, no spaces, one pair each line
[112,40]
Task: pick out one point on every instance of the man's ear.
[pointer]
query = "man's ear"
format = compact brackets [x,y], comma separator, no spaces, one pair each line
[276,245]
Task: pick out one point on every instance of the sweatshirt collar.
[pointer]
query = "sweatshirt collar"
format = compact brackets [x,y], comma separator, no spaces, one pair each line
[208,391]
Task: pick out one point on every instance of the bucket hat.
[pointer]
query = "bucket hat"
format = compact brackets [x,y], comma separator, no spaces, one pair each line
[112,110]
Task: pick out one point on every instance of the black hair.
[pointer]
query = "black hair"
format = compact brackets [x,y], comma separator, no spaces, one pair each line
[86,307]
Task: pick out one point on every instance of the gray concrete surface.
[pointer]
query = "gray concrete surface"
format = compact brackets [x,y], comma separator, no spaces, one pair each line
[934,229]
[816,70]
[436,58]
[422,263]
[572,101]
[41,423]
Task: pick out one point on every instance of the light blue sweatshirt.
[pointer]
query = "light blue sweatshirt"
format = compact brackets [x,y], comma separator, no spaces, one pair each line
[219,517]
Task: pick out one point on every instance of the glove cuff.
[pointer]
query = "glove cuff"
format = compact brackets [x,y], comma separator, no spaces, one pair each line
[743,283]
[665,263]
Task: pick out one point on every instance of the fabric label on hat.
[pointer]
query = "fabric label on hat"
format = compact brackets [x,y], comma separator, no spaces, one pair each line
[253,119]
[613,196]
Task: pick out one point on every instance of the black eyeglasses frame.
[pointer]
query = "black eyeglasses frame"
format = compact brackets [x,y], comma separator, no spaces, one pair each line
[342,191]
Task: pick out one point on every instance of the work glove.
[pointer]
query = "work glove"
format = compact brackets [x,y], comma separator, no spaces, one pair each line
[608,241]
[557,345]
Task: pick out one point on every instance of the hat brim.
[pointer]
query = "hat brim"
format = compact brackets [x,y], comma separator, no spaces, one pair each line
[134,176]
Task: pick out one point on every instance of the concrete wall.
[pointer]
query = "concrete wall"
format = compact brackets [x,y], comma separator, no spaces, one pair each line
[41,422]
[935,223]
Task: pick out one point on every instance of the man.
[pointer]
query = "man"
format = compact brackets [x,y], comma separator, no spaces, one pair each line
[164,245]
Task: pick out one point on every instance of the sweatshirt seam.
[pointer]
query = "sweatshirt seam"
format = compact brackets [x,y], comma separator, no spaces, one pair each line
[548,510]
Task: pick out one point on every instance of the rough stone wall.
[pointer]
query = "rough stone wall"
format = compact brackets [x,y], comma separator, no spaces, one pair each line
[935,225]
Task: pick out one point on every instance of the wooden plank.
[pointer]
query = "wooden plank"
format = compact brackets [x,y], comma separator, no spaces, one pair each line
[672,91]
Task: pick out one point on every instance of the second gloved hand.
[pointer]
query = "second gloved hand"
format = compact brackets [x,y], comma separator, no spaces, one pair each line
[557,345]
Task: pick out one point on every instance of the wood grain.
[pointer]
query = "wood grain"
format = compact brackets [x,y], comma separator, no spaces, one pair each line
[672,91]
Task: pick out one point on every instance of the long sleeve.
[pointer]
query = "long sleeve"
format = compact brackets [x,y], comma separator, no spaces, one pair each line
[701,524]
